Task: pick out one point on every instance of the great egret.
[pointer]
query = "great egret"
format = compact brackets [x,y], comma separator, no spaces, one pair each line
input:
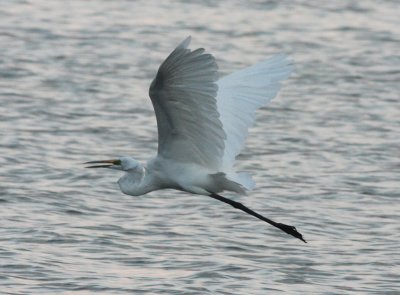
[202,125]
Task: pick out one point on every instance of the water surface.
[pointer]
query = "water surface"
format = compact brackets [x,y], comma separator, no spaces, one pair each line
[74,77]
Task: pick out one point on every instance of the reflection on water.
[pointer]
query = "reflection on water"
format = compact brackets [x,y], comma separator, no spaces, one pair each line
[73,85]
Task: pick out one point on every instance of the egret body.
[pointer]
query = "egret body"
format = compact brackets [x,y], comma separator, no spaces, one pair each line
[202,124]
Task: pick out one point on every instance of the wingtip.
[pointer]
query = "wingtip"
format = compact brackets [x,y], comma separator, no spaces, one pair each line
[185,43]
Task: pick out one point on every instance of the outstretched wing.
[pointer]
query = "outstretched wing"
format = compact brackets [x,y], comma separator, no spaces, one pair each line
[183,96]
[240,94]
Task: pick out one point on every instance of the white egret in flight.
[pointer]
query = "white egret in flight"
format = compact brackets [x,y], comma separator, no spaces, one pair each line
[202,124]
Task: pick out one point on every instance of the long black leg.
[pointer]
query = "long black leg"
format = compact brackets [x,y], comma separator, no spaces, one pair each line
[291,230]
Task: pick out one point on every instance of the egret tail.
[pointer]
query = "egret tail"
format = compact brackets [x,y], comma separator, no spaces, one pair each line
[289,229]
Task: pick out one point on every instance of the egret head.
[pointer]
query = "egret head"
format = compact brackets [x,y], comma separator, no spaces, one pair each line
[123,163]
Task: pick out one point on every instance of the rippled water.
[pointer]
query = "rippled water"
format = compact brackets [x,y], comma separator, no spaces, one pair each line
[73,87]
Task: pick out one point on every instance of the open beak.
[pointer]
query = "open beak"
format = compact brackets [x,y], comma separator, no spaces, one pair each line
[104,163]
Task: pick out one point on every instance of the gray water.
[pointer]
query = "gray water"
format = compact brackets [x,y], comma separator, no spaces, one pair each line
[325,153]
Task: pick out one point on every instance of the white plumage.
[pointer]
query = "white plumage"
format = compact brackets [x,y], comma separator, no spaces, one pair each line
[183,95]
[240,94]
[204,120]
[202,125]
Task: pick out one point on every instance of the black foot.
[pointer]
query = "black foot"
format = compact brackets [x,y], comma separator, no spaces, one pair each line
[291,230]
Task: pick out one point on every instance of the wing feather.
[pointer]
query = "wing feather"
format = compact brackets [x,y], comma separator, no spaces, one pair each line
[184,100]
[240,94]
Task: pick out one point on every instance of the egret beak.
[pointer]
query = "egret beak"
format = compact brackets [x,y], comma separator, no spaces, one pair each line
[106,163]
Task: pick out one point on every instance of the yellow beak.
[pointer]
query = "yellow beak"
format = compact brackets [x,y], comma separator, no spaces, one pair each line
[105,163]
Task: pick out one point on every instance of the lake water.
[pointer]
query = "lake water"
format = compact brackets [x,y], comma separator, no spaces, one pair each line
[74,78]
